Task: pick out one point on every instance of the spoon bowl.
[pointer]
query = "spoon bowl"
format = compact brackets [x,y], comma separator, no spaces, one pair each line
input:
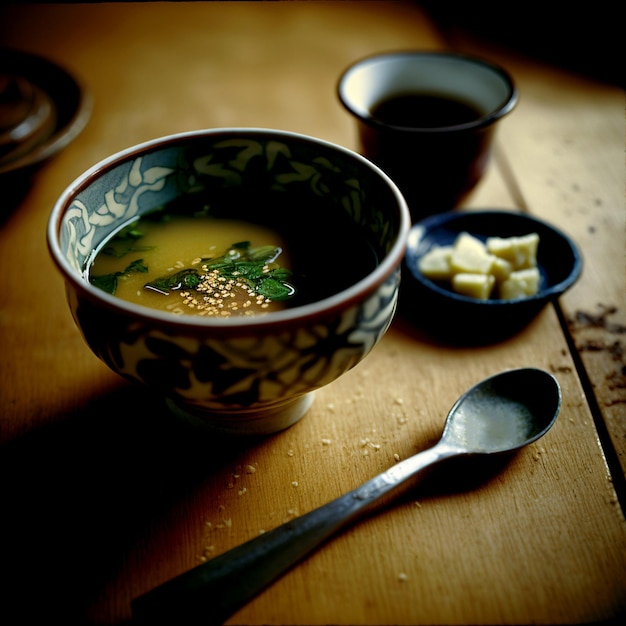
[503,413]
[499,415]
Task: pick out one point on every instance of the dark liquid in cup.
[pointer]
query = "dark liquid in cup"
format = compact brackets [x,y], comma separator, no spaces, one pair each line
[419,110]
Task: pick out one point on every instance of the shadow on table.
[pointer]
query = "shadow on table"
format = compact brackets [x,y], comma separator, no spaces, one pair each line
[584,40]
[76,497]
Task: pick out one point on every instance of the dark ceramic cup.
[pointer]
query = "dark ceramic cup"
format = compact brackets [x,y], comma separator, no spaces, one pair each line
[428,120]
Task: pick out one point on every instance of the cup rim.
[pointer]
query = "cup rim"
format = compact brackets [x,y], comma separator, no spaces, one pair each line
[327,306]
[505,107]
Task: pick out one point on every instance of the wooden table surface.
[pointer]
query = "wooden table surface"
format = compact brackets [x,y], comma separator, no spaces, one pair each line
[104,496]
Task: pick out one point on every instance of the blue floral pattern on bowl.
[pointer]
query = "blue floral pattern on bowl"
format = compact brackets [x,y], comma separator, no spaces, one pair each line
[254,376]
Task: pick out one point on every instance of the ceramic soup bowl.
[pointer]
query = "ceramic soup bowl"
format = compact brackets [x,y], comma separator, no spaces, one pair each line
[249,375]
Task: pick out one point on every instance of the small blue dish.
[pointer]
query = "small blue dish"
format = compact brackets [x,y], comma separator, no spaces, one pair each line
[461,319]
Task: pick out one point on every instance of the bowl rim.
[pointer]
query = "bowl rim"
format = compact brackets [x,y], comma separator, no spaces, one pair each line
[326,307]
[421,229]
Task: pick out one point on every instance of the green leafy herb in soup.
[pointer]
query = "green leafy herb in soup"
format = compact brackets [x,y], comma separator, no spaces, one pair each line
[193,262]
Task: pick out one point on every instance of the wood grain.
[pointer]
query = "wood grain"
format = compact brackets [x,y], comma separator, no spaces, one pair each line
[108,496]
[563,152]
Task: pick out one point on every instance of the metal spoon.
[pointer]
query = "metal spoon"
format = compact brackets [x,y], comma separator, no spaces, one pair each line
[498,415]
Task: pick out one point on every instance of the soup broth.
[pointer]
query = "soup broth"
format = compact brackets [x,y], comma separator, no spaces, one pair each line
[197,262]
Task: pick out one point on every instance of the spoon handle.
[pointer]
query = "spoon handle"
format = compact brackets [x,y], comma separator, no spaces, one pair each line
[212,592]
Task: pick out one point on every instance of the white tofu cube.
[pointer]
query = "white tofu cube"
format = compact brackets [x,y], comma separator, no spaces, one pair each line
[435,264]
[501,269]
[520,284]
[521,252]
[473,285]
[470,256]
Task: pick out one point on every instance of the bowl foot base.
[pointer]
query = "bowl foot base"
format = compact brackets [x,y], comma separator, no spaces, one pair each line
[245,422]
